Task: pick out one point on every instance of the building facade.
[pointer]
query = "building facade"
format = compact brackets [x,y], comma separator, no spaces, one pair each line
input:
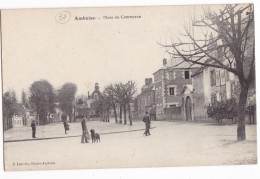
[210,85]
[146,100]
[168,83]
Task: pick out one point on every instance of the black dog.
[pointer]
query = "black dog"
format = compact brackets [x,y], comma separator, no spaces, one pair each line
[94,136]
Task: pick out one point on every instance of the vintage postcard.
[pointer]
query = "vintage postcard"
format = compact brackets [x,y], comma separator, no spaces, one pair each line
[128,87]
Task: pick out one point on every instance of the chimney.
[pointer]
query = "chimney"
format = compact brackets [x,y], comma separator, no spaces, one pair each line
[88,94]
[146,81]
[150,81]
[96,86]
[164,62]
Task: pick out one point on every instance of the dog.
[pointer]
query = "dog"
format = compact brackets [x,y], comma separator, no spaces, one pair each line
[94,136]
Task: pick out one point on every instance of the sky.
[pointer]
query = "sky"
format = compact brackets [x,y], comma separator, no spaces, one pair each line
[36,46]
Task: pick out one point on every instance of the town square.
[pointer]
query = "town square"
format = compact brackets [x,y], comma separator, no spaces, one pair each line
[150,89]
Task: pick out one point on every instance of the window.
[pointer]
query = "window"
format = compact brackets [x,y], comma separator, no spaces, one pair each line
[217,78]
[227,76]
[187,74]
[222,77]
[172,90]
[172,105]
[212,77]
[213,98]
[171,75]
[158,93]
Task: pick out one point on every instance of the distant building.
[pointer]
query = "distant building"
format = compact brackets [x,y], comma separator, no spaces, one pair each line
[95,95]
[134,109]
[81,110]
[168,83]
[146,99]
[20,116]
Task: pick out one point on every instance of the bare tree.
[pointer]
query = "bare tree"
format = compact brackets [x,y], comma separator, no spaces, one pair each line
[124,94]
[130,88]
[231,49]
[110,94]
[119,93]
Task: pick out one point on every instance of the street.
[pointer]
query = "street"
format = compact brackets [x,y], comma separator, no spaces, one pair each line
[171,144]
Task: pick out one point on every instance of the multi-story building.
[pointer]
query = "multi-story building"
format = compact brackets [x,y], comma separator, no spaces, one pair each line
[208,86]
[213,84]
[168,83]
[146,99]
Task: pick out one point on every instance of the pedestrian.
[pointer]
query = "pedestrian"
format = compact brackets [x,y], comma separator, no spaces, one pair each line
[85,135]
[66,126]
[33,125]
[147,122]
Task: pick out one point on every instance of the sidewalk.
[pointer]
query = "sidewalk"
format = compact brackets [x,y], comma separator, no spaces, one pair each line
[56,130]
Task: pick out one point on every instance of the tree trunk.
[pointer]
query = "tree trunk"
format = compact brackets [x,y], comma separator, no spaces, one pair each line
[114,107]
[241,129]
[130,117]
[125,114]
[120,114]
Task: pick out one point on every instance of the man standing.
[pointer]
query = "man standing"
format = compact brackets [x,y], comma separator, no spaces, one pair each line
[66,126]
[147,122]
[85,135]
[33,125]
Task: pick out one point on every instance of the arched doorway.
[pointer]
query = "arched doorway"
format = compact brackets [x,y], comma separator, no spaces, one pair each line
[188,108]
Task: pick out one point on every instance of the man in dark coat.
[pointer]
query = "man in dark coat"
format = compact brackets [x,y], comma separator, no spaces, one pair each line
[85,135]
[66,126]
[33,125]
[147,122]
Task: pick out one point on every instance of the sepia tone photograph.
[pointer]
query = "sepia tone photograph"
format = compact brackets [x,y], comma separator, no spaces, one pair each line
[128,87]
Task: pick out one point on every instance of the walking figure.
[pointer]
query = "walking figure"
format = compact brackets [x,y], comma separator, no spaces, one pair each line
[33,125]
[66,126]
[147,122]
[85,135]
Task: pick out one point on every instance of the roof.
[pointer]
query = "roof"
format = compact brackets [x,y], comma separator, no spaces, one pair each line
[190,87]
[200,70]
[147,89]
[184,65]
[163,68]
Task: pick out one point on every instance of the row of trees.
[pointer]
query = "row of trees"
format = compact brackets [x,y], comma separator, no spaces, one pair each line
[41,99]
[116,97]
